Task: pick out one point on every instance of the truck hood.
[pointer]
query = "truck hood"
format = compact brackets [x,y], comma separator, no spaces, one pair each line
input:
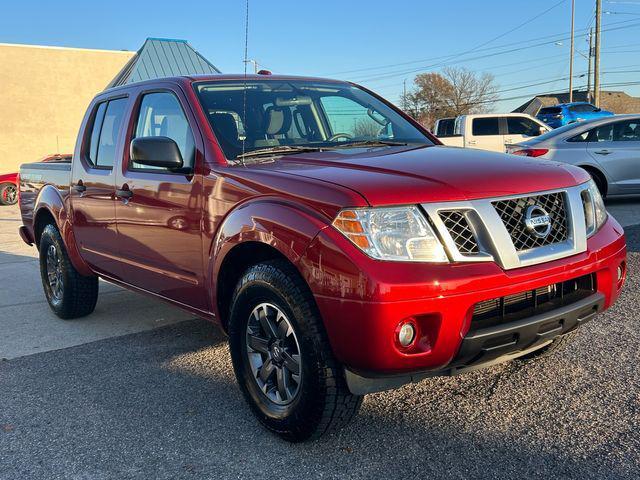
[402,175]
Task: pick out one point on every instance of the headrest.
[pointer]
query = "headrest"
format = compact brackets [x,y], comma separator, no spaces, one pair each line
[277,120]
[225,126]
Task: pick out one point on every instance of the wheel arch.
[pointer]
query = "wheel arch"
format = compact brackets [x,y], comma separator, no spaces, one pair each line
[51,208]
[598,175]
[264,230]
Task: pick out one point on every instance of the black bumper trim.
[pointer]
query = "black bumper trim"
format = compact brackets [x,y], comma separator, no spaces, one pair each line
[489,346]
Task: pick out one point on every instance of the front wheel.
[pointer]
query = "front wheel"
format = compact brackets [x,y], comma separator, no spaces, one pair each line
[69,294]
[281,356]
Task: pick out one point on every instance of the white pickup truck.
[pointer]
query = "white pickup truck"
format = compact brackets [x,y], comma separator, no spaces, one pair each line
[488,131]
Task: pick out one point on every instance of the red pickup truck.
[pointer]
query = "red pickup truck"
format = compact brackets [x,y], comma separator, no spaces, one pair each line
[342,248]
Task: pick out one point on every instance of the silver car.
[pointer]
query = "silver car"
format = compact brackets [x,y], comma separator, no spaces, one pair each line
[608,148]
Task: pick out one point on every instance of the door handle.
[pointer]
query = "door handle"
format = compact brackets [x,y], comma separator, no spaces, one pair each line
[603,152]
[79,187]
[124,193]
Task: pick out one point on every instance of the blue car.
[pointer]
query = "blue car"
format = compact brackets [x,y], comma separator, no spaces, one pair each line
[566,113]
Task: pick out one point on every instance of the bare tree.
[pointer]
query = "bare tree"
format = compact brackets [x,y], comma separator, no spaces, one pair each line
[455,91]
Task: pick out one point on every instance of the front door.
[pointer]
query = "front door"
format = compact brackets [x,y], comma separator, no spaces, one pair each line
[93,186]
[159,211]
[616,147]
[521,129]
[485,134]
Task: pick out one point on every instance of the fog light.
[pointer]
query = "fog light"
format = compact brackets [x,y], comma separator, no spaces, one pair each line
[621,269]
[407,334]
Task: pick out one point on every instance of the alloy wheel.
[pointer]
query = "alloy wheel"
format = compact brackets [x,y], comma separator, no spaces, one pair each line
[10,194]
[54,273]
[273,353]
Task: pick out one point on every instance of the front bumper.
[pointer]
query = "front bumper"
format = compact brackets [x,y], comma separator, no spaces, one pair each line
[489,346]
[362,301]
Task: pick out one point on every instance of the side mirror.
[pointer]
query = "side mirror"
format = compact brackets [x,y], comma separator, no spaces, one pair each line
[156,152]
[598,110]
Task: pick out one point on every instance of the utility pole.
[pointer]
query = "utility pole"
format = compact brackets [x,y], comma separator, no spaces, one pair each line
[404,95]
[596,69]
[573,17]
[589,75]
[255,64]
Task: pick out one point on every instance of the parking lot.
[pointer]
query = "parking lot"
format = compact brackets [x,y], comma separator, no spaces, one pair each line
[143,390]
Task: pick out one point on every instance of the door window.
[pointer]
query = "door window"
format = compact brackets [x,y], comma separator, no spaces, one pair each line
[95,132]
[522,126]
[628,131]
[602,134]
[485,126]
[162,116]
[104,133]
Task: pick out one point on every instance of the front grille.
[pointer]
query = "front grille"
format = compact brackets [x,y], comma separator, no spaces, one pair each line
[512,213]
[531,302]
[460,231]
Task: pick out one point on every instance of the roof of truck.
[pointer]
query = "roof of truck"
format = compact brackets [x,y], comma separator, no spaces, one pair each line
[225,77]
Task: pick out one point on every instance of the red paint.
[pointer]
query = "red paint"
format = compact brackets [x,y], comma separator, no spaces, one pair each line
[172,237]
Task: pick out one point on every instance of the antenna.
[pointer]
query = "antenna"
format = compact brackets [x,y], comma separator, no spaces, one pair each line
[244,90]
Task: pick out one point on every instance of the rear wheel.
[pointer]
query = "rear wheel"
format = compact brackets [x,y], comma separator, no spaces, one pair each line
[8,194]
[69,294]
[281,356]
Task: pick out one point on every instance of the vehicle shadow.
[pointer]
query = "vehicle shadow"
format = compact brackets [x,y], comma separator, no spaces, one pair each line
[164,404]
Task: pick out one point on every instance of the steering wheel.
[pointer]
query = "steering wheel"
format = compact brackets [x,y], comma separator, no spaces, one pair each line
[336,136]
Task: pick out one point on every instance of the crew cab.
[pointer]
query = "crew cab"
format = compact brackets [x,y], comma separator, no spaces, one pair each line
[489,131]
[342,248]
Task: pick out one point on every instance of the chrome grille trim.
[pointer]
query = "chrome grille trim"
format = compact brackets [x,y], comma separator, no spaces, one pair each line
[458,227]
[512,212]
[494,240]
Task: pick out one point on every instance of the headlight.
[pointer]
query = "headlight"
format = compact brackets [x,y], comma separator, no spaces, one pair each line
[391,233]
[595,212]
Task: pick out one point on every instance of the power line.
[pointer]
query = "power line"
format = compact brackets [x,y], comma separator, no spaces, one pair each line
[554,38]
[490,55]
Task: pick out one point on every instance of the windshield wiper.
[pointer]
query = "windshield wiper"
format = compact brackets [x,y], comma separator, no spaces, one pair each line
[279,150]
[369,143]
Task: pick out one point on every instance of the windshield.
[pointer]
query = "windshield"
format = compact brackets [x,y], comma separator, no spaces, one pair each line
[298,113]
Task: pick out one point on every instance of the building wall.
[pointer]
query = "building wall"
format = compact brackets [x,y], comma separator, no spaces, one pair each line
[44,92]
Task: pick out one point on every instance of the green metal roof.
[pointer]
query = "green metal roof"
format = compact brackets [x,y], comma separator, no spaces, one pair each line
[163,57]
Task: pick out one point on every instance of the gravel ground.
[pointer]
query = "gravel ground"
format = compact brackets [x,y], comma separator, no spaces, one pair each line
[163,404]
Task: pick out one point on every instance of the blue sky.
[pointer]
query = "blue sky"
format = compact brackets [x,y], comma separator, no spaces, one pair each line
[377,44]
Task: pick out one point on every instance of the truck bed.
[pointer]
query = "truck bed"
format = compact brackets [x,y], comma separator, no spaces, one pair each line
[34,176]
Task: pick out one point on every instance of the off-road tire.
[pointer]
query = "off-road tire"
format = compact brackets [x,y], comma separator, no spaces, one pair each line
[323,402]
[79,292]
[557,345]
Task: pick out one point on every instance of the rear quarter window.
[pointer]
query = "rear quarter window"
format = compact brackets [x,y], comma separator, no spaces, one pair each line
[550,111]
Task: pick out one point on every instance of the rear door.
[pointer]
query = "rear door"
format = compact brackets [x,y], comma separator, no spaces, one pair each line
[485,134]
[159,211]
[93,185]
[616,147]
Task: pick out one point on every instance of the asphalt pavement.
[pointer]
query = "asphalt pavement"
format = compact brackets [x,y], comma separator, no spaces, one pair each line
[152,396]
